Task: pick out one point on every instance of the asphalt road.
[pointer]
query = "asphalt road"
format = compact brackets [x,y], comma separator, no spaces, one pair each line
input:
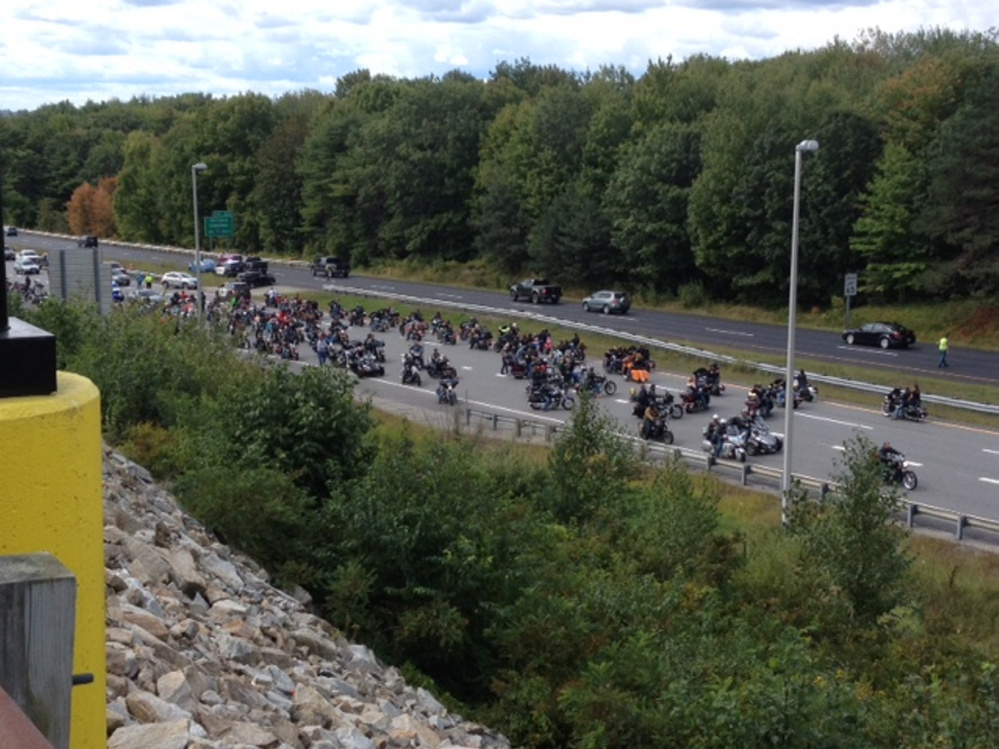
[958,466]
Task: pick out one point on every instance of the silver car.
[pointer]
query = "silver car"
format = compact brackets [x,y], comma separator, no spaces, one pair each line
[607,302]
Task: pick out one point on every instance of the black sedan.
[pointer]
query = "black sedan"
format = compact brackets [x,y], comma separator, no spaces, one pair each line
[883,334]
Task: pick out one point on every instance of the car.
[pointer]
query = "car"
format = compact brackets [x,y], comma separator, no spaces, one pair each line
[607,302]
[233,288]
[177,279]
[145,296]
[30,255]
[120,278]
[87,241]
[207,265]
[26,267]
[11,231]
[883,334]
[255,278]
[229,265]
[8,253]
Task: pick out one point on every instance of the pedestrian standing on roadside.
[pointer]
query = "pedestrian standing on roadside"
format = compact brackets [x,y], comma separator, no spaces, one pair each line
[943,352]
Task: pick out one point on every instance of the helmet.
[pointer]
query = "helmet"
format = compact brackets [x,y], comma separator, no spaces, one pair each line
[634,391]
[722,422]
[714,418]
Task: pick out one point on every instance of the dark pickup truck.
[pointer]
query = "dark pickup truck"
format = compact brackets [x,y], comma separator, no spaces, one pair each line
[536,290]
[331,267]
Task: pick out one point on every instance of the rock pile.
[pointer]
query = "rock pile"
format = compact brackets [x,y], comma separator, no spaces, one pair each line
[203,653]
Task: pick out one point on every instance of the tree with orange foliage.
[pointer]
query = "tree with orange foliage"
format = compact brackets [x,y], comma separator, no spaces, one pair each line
[90,209]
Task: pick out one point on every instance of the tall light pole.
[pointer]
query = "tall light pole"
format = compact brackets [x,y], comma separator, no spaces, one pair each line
[792,319]
[195,168]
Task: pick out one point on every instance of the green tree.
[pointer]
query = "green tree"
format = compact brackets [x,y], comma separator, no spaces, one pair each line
[854,539]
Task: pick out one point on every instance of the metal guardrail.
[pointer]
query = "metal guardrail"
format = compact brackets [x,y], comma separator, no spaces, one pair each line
[960,522]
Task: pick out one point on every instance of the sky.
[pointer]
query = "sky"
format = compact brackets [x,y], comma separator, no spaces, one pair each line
[97,50]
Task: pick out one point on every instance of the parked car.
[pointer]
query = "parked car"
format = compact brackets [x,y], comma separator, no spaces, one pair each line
[607,302]
[87,241]
[883,334]
[11,231]
[207,265]
[120,278]
[8,253]
[30,255]
[178,279]
[26,267]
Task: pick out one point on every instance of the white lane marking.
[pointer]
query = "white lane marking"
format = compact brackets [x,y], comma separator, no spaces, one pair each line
[466,368]
[451,296]
[990,452]
[382,287]
[853,424]
[989,481]
[870,350]
[621,400]
[730,332]
[838,447]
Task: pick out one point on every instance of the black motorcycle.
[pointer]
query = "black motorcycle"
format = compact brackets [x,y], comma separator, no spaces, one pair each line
[897,471]
[910,411]
[656,429]
[411,375]
[446,393]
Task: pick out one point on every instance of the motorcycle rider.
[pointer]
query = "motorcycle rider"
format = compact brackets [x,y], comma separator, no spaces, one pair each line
[902,403]
[649,419]
[888,456]
[715,434]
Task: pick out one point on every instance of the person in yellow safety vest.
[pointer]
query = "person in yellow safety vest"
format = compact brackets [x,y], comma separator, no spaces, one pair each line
[943,352]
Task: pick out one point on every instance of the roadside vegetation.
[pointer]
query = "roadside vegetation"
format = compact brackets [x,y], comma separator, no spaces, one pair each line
[567,596]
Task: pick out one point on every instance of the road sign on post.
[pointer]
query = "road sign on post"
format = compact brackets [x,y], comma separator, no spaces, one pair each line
[850,285]
[220,224]
[849,290]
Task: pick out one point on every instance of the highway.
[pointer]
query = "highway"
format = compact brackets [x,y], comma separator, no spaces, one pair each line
[957,465]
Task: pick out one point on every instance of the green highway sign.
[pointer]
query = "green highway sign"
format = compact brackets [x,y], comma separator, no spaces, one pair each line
[220,224]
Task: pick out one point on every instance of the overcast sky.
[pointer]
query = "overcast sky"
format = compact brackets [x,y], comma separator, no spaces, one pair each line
[54,50]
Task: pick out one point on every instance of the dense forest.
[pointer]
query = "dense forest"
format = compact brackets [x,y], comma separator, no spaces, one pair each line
[569,597]
[675,183]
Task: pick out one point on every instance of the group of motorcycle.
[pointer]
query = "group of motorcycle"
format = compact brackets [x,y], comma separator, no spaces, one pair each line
[904,404]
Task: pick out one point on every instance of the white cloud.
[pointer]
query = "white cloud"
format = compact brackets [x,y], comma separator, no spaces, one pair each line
[53,50]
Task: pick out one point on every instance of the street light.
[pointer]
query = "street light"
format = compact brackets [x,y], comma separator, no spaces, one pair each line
[195,168]
[792,314]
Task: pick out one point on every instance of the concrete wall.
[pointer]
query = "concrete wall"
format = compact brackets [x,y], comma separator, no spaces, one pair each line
[51,473]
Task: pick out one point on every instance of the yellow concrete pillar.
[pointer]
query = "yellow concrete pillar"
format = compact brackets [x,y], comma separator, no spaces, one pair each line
[51,499]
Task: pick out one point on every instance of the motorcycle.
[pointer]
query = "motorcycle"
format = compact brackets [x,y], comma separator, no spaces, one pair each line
[692,403]
[911,411]
[733,446]
[548,397]
[597,385]
[656,429]
[898,471]
[446,392]
[760,440]
[366,365]
[411,375]
[710,380]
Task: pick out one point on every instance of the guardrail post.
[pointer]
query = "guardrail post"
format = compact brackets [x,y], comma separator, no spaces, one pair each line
[962,521]
[746,470]
[549,433]
[518,426]
[468,416]
[910,514]
[495,422]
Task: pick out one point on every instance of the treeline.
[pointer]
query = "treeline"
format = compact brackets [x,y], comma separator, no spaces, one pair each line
[678,182]
[569,599]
